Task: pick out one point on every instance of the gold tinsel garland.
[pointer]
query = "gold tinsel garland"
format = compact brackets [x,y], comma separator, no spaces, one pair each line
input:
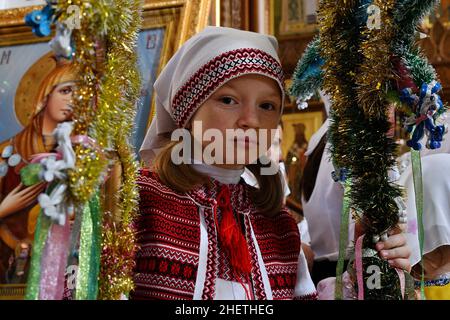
[375,78]
[123,90]
[104,109]
[89,60]
[357,75]
[334,26]
[376,71]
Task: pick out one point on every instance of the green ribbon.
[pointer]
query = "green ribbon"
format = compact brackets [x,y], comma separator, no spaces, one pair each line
[89,256]
[34,275]
[418,192]
[343,238]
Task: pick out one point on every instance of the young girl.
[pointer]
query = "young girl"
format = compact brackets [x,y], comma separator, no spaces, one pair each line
[203,232]
[436,219]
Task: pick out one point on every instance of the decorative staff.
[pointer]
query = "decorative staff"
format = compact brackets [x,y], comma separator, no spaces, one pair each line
[101,48]
[367,64]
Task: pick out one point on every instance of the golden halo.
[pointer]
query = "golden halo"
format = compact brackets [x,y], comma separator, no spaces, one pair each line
[27,90]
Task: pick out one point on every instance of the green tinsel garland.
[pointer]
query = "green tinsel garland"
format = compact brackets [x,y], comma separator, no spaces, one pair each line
[360,77]
[307,78]
[407,16]
[374,153]
[419,66]
[358,65]
[339,36]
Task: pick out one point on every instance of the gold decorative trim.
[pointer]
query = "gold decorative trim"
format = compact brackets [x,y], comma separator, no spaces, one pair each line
[161,4]
[195,18]
[12,291]
[13,17]
[181,20]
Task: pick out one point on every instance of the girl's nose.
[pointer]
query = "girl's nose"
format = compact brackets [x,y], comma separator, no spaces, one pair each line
[248,117]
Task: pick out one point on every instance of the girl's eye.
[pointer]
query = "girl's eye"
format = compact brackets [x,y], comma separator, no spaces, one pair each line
[267,106]
[227,100]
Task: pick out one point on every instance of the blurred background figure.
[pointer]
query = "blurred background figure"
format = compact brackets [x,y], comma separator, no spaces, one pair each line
[436,220]
[295,161]
[276,155]
[322,199]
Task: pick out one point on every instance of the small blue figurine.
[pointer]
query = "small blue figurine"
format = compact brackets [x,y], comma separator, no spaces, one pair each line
[426,107]
[41,20]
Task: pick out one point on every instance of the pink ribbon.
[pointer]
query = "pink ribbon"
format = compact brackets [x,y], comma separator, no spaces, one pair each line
[359,267]
[401,276]
[359,271]
[54,261]
[38,157]
[82,139]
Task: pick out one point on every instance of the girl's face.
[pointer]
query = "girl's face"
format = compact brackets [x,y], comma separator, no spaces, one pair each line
[59,104]
[250,103]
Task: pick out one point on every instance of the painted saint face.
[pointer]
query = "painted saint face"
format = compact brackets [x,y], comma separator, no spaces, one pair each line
[59,104]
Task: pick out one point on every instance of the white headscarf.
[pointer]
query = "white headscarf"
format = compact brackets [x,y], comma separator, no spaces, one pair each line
[202,65]
[436,204]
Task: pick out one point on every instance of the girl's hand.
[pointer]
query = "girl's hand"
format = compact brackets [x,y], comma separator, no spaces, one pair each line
[395,250]
[19,199]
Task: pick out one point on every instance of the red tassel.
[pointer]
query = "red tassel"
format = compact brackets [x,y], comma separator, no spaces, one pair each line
[231,237]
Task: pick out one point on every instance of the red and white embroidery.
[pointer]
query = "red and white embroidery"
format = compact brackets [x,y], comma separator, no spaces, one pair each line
[279,243]
[169,238]
[216,72]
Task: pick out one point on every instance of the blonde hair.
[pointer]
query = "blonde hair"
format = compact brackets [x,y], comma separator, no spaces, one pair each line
[184,178]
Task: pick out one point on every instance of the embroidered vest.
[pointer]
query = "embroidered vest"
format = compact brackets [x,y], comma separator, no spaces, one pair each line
[169,233]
